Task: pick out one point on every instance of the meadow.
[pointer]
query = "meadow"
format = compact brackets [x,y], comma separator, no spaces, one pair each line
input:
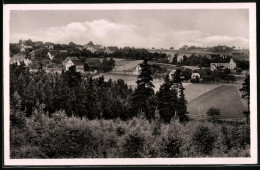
[225,97]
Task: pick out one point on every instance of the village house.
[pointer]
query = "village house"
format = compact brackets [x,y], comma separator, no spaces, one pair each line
[69,58]
[200,73]
[112,49]
[52,54]
[89,48]
[137,70]
[180,58]
[97,47]
[170,57]
[92,65]
[23,47]
[226,62]
[77,63]
[20,58]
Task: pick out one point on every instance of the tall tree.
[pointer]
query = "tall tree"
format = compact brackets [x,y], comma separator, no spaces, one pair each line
[246,95]
[167,100]
[144,90]
[182,105]
[181,110]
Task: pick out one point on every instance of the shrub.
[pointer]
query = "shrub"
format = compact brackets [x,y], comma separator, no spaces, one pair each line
[173,148]
[203,139]
[212,111]
[133,146]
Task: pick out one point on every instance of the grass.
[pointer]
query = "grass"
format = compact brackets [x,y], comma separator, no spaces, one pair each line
[131,80]
[226,97]
[194,90]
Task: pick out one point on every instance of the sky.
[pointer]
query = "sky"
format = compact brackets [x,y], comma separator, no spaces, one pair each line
[135,28]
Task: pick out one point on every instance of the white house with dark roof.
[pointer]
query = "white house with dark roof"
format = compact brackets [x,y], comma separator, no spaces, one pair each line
[77,63]
[137,70]
[226,62]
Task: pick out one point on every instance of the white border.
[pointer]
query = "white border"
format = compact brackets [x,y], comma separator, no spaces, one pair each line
[139,161]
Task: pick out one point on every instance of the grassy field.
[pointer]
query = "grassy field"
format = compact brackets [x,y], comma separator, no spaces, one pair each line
[131,80]
[226,97]
[194,90]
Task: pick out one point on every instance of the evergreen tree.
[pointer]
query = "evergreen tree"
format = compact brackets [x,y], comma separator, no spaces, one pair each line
[72,78]
[182,105]
[144,90]
[167,100]
[93,104]
[246,95]
[181,108]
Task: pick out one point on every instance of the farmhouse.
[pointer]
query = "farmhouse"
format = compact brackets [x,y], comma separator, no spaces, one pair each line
[226,62]
[180,58]
[69,58]
[137,70]
[170,57]
[200,73]
[23,47]
[89,48]
[19,58]
[92,64]
[112,49]
[77,63]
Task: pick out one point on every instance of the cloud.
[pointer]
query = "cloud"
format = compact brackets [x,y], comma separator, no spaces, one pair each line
[108,33]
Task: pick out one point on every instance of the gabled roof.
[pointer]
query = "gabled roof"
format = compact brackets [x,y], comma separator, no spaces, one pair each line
[77,62]
[93,62]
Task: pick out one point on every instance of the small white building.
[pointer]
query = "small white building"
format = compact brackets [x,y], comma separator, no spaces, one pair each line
[180,58]
[171,74]
[137,70]
[79,65]
[225,62]
[194,75]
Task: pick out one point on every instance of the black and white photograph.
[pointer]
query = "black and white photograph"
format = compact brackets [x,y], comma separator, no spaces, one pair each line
[101,84]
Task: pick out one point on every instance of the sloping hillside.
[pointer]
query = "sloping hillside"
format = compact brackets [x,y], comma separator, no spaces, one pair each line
[226,98]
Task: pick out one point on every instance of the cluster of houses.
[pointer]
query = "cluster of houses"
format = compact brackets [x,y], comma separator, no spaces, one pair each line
[90,65]
[99,48]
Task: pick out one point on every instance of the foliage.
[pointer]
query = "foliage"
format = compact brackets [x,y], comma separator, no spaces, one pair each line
[204,140]
[60,136]
[212,111]
[144,92]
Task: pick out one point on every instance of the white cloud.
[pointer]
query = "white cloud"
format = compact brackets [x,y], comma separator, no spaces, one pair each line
[108,33]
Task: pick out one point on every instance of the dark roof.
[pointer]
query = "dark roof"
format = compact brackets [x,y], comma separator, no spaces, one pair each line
[221,60]
[77,62]
[91,62]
